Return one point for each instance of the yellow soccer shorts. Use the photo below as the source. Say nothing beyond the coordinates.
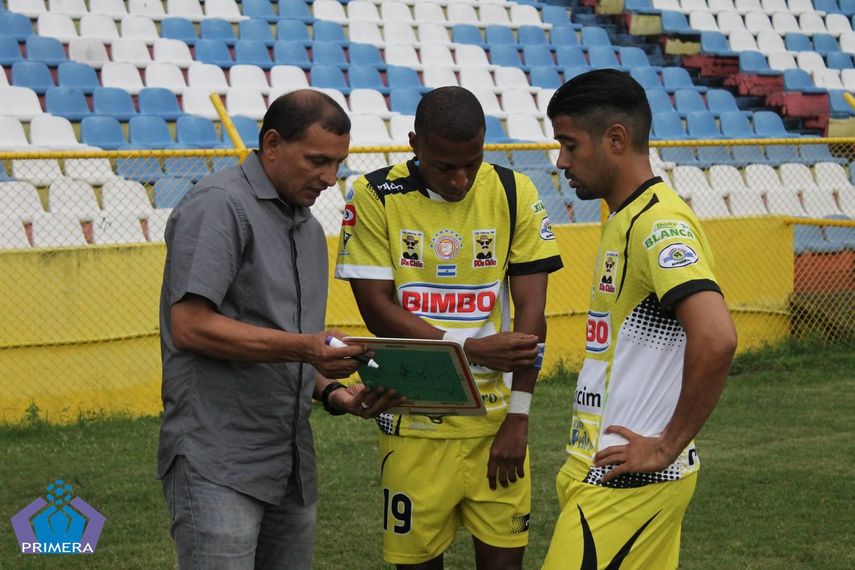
(630, 529)
(433, 486)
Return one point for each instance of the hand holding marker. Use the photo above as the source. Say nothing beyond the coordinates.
(336, 343)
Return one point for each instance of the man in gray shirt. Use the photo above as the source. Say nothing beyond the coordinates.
(242, 317)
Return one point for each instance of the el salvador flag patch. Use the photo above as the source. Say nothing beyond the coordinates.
(449, 270)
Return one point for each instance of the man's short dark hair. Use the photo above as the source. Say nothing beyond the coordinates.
(599, 98)
(452, 113)
(292, 114)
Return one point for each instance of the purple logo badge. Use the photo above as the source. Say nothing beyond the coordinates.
(58, 525)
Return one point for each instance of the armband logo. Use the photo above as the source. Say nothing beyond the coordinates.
(412, 248)
(677, 255)
(484, 248)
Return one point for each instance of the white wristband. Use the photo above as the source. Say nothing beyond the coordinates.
(520, 402)
(457, 336)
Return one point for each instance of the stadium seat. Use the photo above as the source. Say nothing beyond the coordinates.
(113, 101)
(193, 167)
(214, 52)
(57, 230)
(291, 54)
(73, 197)
(173, 51)
(57, 26)
(10, 50)
(595, 36)
(12, 234)
(472, 56)
(116, 9)
(329, 32)
(102, 131)
(248, 130)
(799, 80)
(525, 128)
(690, 180)
(331, 53)
(736, 125)
(660, 101)
(207, 76)
(469, 34)
(12, 136)
(33, 75)
(117, 228)
(366, 54)
(169, 191)
(157, 224)
(647, 77)
(227, 10)
(721, 101)
(95, 171)
(540, 56)
(67, 102)
(668, 126)
(123, 76)
(688, 101)
(39, 172)
(702, 125)
(48, 131)
(196, 101)
(795, 42)
(166, 76)
(245, 101)
(396, 12)
(768, 124)
(159, 101)
(152, 9)
(20, 102)
(253, 52)
(15, 25)
(149, 132)
(180, 29)
(426, 11)
(287, 78)
(404, 100)
(369, 102)
(330, 77)
(404, 78)
(257, 30)
(675, 78)
(39, 48)
(197, 132)
(249, 76)
(531, 35)
(432, 32)
(506, 55)
(839, 60)
(563, 36)
(146, 170)
(99, 27)
(219, 29)
(292, 31)
(294, 10)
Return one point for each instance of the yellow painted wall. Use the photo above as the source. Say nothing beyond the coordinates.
(79, 326)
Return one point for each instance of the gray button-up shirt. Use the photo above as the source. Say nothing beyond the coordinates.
(243, 425)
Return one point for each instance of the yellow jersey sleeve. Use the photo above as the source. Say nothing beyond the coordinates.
(533, 249)
(678, 260)
(364, 250)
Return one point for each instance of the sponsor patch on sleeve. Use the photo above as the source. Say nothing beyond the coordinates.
(677, 255)
(668, 229)
(546, 232)
(348, 218)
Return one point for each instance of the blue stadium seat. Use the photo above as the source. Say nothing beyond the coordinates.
(839, 106)
(102, 131)
(217, 29)
(538, 56)
(253, 52)
(676, 23)
(145, 170)
(159, 101)
(648, 77)
(178, 29)
(570, 56)
(214, 52)
(149, 132)
(632, 57)
(779, 154)
(366, 54)
(640, 7)
(743, 155)
(545, 186)
(701, 125)
(329, 32)
(78, 75)
(824, 44)
(827, 6)
(838, 60)
(531, 160)
(259, 9)
(768, 124)
(603, 57)
(15, 25)
(755, 63)
(258, 30)
(715, 43)
(506, 55)
(563, 36)
(46, 50)
(400, 77)
(721, 101)
(113, 101)
(193, 131)
(193, 167)
(679, 155)
(689, 101)
(32, 74)
(674, 78)
(498, 35)
(531, 36)
(595, 36)
(169, 191)
(660, 101)
(840, 237)
(794, 41)
(495, 132)
(293, 31)
(545, 78)
(499, 157)
(711, 155)
(329, 77)
(10, 50)
(67, 102)
(816, 153)
(295, 10)
(735, 125)
(248, 130)
(847, 7)
(291, 53)
(668, 126)
(571, 72)
(404, 101)
(468, 34)
(366, 77)
(809, 239)
(555, 15)
(328, 53)
(799, 80)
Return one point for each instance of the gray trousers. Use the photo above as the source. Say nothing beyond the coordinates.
(215, 527)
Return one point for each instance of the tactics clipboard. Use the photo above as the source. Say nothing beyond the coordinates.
(433, 374)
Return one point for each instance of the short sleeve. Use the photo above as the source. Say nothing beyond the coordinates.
(205, 239)
(678, 260)
(363, 248)
(534, 249)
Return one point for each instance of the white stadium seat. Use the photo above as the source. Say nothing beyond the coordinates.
(73, 8)
(172, 51)
(207, 76)
(88, 50)
(166, 75)
(117, 228)
(57, 230)
(20, 200)
(12, 136)
(157, 224)
(75, 197)
(99, 27)
(40, 172)
(116, 9)
(249, 77)
(123, 75)
(20, 102)
(49, 131)
(128, 196)
(12, 233)
(130, 50)
(57, 26)
(95, 171)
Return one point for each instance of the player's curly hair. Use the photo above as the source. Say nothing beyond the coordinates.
(452, 113)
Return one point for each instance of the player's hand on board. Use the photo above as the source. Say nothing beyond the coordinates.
(360, 400)
(640, 455)
(504, 351)
(507, 454)
(330, 361)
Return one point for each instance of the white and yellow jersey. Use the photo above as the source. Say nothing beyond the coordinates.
(653, 254)
(449, 262)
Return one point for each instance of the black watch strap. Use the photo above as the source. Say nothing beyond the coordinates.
(325, 398)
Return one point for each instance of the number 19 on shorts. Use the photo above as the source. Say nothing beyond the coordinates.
(397, 511)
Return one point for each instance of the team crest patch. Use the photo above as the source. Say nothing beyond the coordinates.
(546, 232)
(667, 229)
(446, 244)
(484, 248)
(411, 249)
(607, 276)
(677, 255)
(345, 238)
(348, 217)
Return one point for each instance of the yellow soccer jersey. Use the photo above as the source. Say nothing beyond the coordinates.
(449, 262)
(652, 254)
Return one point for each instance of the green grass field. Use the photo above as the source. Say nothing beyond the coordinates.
(776, 489)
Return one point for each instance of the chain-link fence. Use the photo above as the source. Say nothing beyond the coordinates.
(81, 248)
